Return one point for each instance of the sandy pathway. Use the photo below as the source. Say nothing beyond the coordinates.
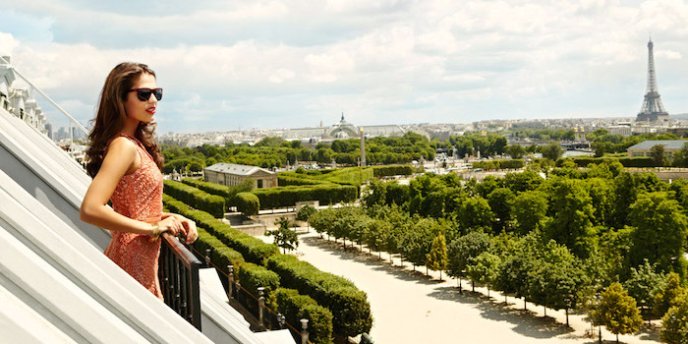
(411, 308)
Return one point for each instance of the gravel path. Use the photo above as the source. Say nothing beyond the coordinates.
(409, 307)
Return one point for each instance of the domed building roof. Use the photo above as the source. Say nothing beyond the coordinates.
(343, 130)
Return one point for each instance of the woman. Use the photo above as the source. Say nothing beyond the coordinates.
(125, 163)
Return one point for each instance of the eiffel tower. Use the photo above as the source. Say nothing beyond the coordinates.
(652, 110)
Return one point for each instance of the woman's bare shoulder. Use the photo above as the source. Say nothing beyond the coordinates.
(122, 147)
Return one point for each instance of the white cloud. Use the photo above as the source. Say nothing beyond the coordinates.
(287, 63)
(7, 44)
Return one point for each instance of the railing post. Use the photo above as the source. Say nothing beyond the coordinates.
(281, 320)
(304, 331)
(238, 290)
(207, 257)
(230, 281)
(261, 305)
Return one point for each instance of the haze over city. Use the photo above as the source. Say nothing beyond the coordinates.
(288, 64)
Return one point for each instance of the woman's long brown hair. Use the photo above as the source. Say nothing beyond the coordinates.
(111, 116)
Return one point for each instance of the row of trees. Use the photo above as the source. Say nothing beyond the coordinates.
(277, 152)
(529, 267)
(554, 240)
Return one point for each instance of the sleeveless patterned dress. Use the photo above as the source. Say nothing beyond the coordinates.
(138, 196)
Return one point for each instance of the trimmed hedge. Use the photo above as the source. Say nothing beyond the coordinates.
(499, 164)
(220, 254)
(290, 180)
(287, 196)
(254, 250)
(349, 305)
(211, 188)
(253, 276)
(393, 170)
(215, 205)
(295, 307)
(625, 161)
(247, 203)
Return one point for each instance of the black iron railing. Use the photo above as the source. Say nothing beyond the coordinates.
(178, 273)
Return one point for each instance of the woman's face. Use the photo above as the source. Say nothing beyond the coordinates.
(138, 110)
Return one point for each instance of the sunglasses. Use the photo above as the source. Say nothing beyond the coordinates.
(144, 93)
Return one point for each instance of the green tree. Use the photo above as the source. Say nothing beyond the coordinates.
(602, 195)
(617, 311)
(675, 322)
(552, 151)
(377, 235)
(501, 202)
(572, 215)
(437, 258)
(285, 237)
(661, 230)
(462, 250)
(643, 283)
(513, 277)
(322, 221)
(666, 294)
(522, 181)
(529, 210)
(516, 151)
(657, 154)
(376, 194)
(417, 242)
(305, 213)
(681, 157)
(556, 279)
(484, 270)
(475, 212)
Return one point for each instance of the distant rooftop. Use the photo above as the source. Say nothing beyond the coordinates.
(668, 144)
(237, 169)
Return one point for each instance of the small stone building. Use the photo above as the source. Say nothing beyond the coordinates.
(235, 174)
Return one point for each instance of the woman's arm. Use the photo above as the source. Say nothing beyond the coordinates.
(120, 159)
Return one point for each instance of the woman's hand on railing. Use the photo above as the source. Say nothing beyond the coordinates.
(186, 227)
(189, 230)
(168, 224)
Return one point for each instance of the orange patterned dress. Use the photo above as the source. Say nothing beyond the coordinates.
(139, 196)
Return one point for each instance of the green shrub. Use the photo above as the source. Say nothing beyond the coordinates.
(349, 305)
(211, 188)
(499, 164)
(253, 276)
(392, 170)
(221, 255)
(284, 179)
(637, 162)
(585, 161)
(199, 199)
(287, 196)
(247, 203)
(295, 307)
(252, 249)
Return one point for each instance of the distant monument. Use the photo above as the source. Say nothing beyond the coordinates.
(652, 110)
(363, 157)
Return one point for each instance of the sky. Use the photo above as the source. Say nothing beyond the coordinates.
(229, 65)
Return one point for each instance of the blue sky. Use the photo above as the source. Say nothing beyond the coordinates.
(227, 65)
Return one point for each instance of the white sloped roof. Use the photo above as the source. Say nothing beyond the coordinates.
(72, 284)
(55, 282)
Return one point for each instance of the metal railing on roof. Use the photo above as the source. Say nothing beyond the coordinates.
(71, 119)
(179, 281)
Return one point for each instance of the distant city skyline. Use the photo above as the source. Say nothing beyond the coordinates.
(289, 64)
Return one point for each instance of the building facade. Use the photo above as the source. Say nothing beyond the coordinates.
(235, 174)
